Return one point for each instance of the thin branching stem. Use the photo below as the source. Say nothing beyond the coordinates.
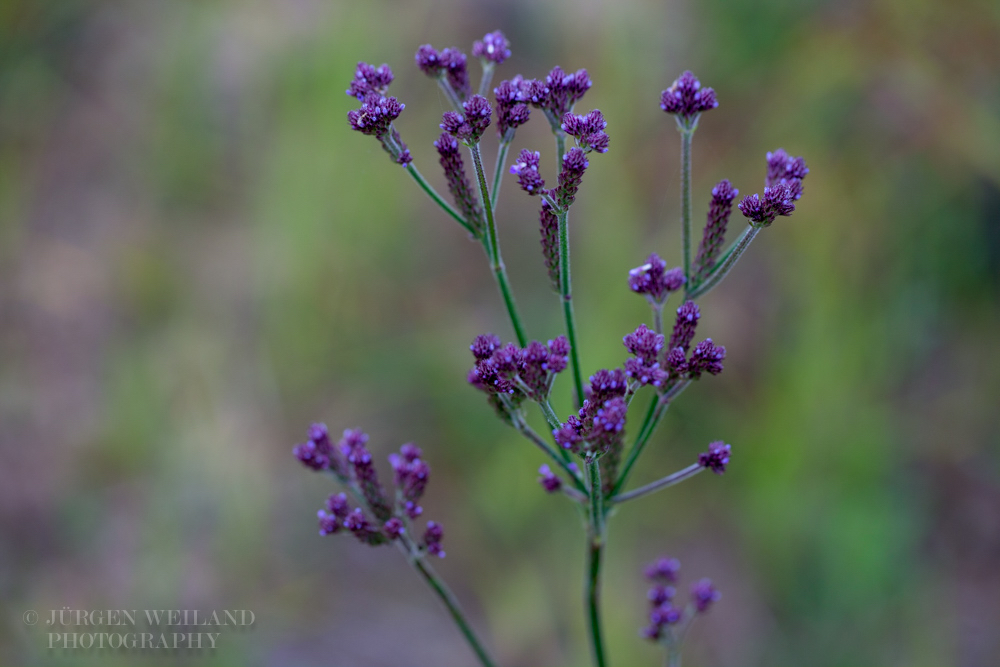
(658, 409)
(662, 483)
(725, 265)
(438, 199)
(492, 245)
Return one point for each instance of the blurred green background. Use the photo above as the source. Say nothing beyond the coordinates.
(198, 258)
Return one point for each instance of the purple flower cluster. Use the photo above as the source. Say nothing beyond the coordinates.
(706, 358)
(458, 184)
(663, 614)
(370, 79)
(686, 99)
(783, 168)
(518, 373)
(588, 130)
(433, 535)
(548, 227)
(558, 93)
(469, 126)
(716, 458)
(644, 366)
(719, 210)
(354, 446)
(599, 426)
(450, 64)
(783, 187)
(654, 280)
(512, 112)
(493, 48)
(549, 481)
(317, 452)
(380, 520)
(526, 170)
(377, 111)
(570, 176)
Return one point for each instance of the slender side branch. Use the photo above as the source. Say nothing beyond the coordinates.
(663, 483)
(725, 265)
(498, 172)
(450, 93)
(443, 592)
(492, 245)
(484, 83)
(567, 304)
(686, 135)
(445, 206)
(658, 409)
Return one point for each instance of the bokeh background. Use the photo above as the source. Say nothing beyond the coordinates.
(198, 258)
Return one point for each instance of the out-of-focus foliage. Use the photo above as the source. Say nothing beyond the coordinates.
(198, 258)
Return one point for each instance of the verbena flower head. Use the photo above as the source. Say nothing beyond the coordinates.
(375, 115)
(703, 594)
(653, 280)
(317, 452)
(716, 458)
(526, 169)
(783, 187)
(449, 64)
(668, 622)
(512, 112)
(644, 367)
(377, 111)
(719, 210)
(549, 481)
(370, 79)
(686, 99)
(706, 358)
(664, 570)
(515, 373)
(598, 426)
(469, 126)
(466, 200)
(493, 48)
(783, 167)
(574, 164)
(559, 92)
(685, 325)
(456, 71)
(432, 539)
(588, 130)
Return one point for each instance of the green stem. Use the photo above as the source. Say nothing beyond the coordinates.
(658, 408)
(484, 83)
(658, 319)
(595, 547)
(451, 603)
(725, 265)
(432, 193)
(663, 483)
(686, 135)
(493, 249)
(498, 172)
(450, 93)
(550, 414)
(567, 303)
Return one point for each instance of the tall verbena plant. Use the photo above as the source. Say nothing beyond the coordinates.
(589, 462)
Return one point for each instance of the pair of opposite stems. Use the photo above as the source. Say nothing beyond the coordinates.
(592, 489)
